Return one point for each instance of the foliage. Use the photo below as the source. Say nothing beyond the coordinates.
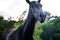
(43, 31)
(47, 15)
(5, 25)
(16, 25)
(11, 23)
(48, 30)
(51, 30)
(1, 18)
(37, 31)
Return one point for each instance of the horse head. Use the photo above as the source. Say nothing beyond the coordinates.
(35, 8)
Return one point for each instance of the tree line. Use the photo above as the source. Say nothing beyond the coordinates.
(49, 30)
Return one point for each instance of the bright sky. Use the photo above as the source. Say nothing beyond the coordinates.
(15, 8)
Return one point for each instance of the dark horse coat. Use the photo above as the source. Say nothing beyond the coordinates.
(25, 31)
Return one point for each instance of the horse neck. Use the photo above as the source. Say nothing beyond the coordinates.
(29, 25)
(27, 28)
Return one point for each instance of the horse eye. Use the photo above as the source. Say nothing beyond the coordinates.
(40, 15)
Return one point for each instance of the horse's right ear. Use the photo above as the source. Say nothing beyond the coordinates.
(28, 1)
(39, 1)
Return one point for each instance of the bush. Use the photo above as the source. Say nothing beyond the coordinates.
(1, 18)
(51, 30)
(48, 30)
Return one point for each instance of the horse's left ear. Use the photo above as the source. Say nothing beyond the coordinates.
(39, 1)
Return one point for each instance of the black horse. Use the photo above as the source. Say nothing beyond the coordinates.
(25, 31)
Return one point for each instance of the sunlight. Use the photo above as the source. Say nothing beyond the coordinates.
(15, 8)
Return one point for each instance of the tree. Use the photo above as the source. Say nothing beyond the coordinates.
(22, 16)
(1, 18)
(10, 24)
(47, 15)
(51, 30)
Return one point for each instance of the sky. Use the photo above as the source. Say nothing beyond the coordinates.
(15, 8)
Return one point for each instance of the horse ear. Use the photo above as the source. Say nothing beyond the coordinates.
(39, 1)
(27, 1)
